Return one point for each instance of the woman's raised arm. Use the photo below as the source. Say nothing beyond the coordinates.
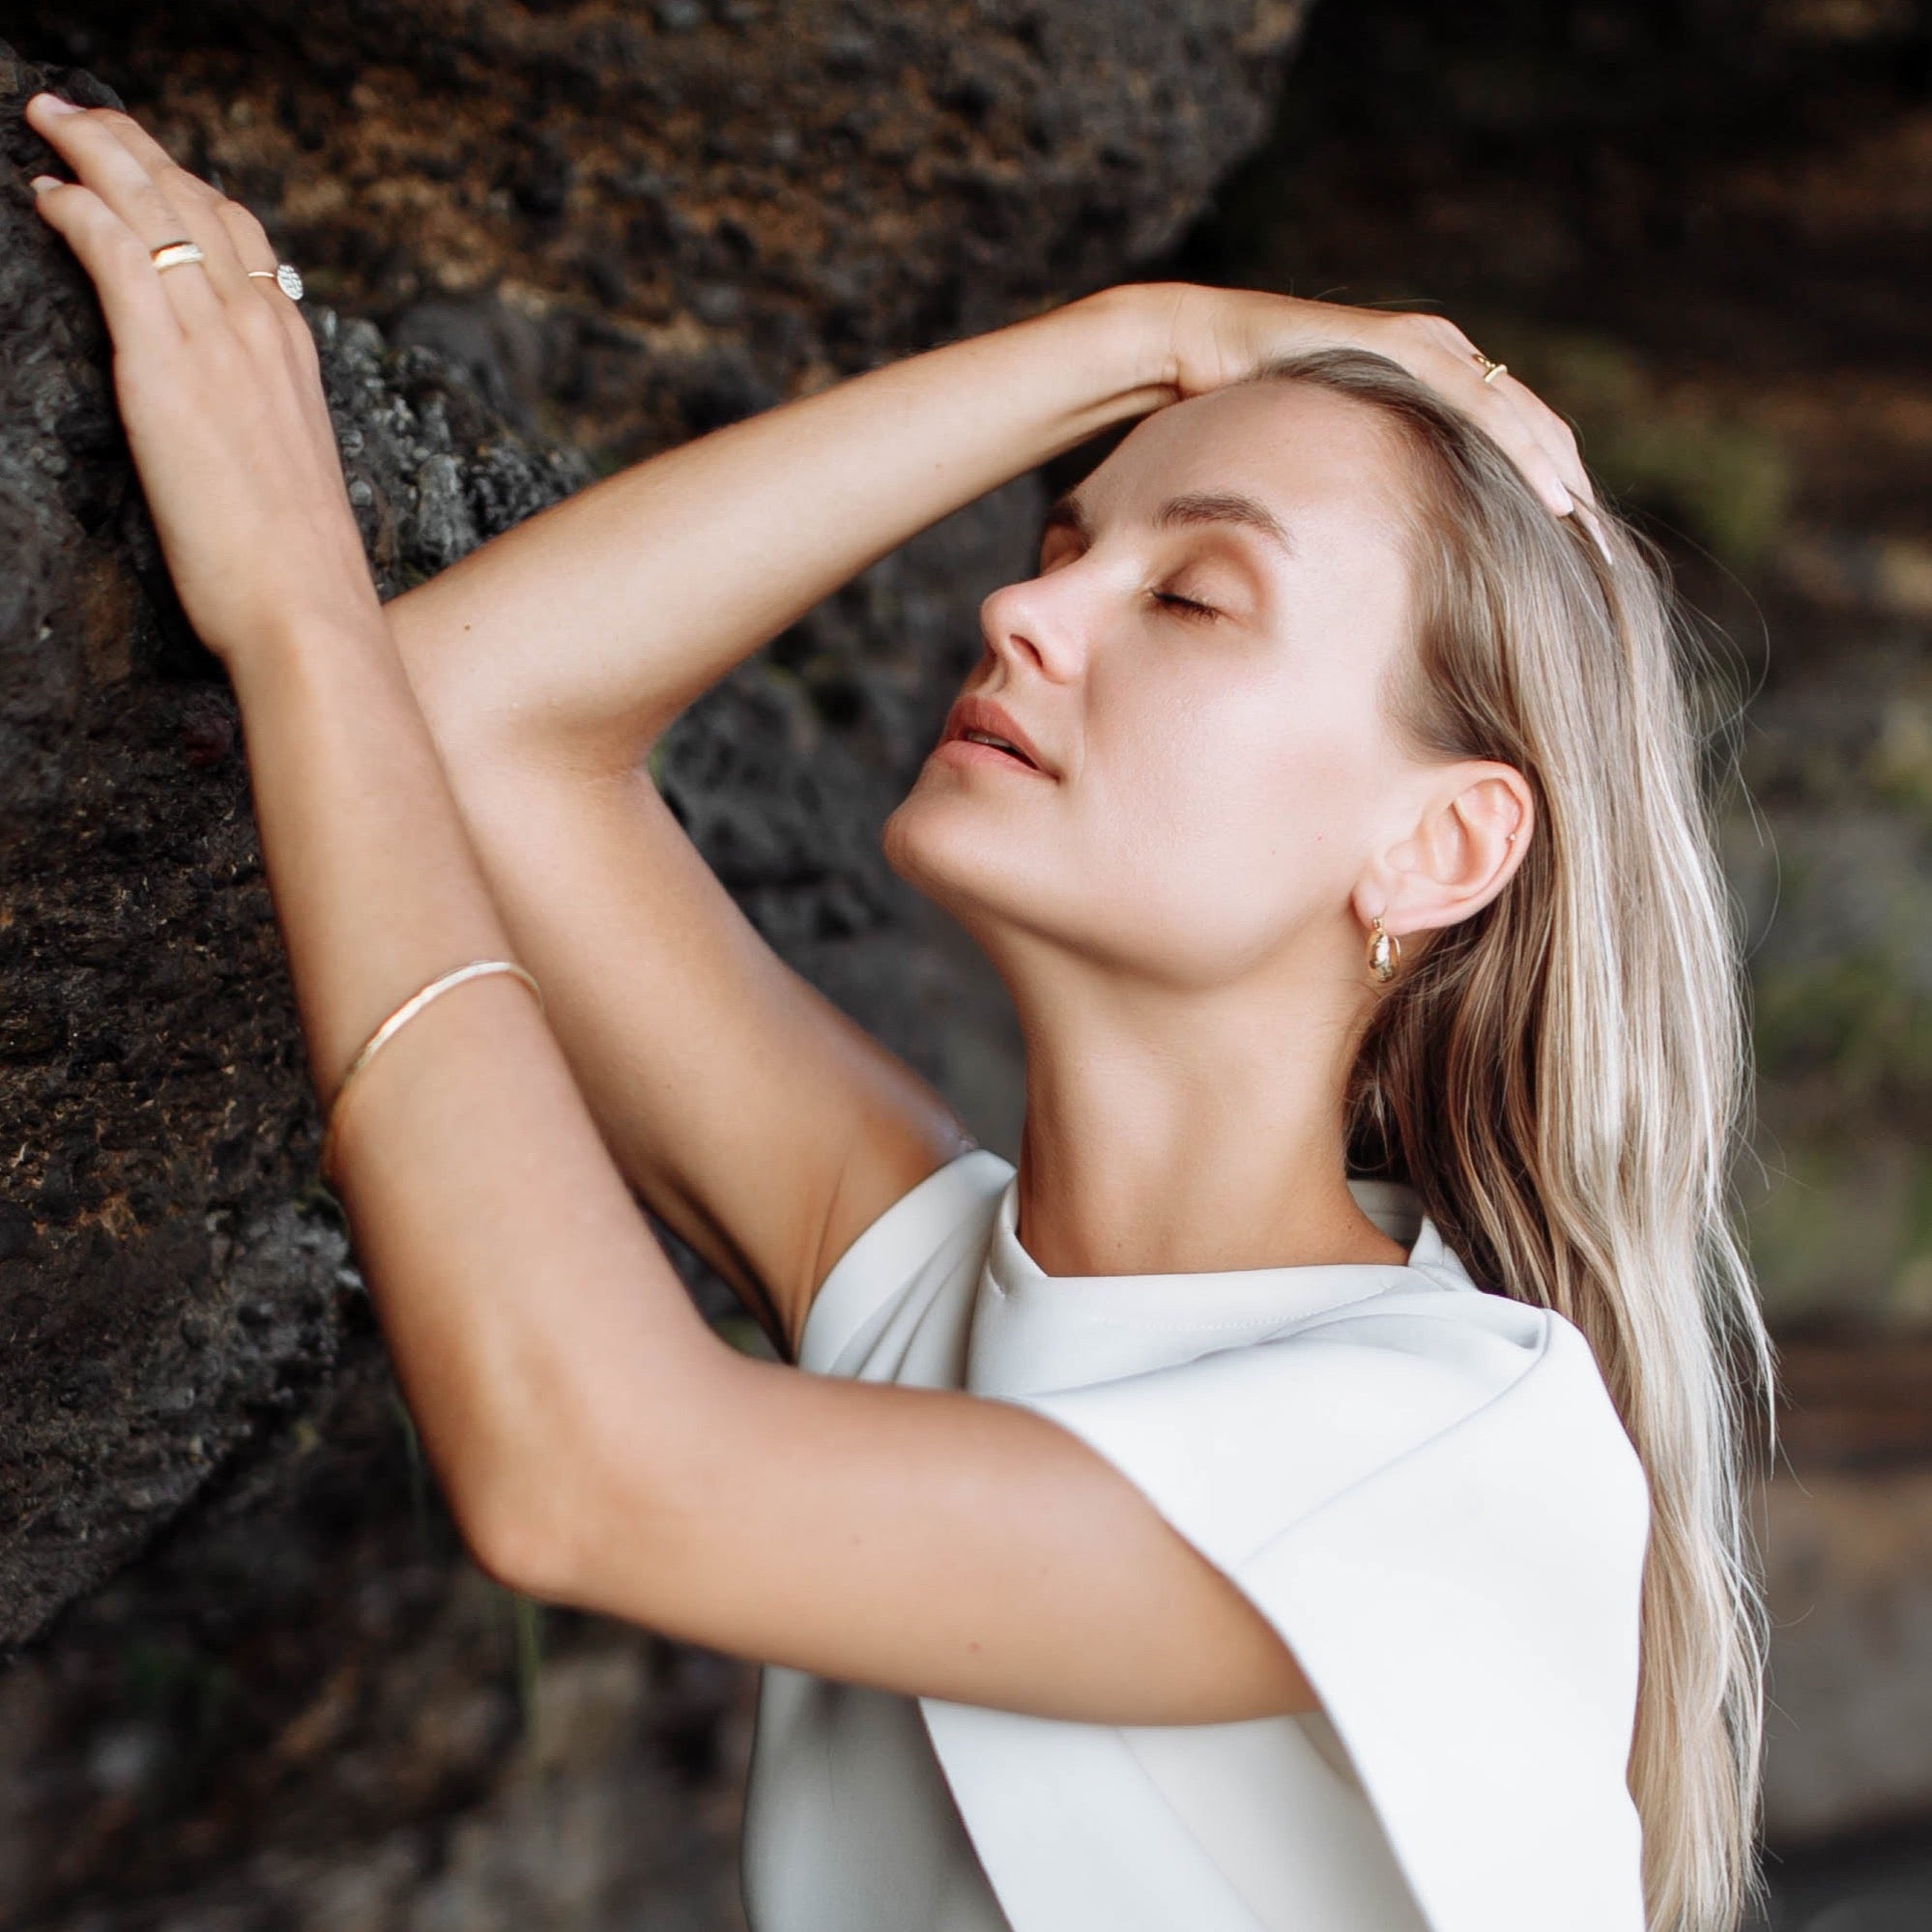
(601, 618)
(593, 624)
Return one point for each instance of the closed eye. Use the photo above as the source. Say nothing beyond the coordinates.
(1186, 606)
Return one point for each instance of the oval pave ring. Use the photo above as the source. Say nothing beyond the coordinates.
(286, 278)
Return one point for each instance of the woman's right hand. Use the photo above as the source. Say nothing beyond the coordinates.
(1219, 336)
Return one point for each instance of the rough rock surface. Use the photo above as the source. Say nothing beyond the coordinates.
(172, 1275)
(304, 1711)
(171, 1279)
(657, 217)
(565, 236)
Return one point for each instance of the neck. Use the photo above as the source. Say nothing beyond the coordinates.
(1187, 1133)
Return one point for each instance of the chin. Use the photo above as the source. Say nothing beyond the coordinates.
(919, 845)
(955, 857)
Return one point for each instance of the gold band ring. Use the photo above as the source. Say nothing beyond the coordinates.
(174, 255)
(1491, 370)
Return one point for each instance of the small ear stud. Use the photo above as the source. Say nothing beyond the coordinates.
(1385, 953)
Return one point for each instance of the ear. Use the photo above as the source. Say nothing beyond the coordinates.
(1458, 853)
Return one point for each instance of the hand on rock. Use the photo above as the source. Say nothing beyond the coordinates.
(219, 384)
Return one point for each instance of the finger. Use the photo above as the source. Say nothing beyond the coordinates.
(259, 260)
(1592, 523)
(1548, 430)
(1508, 423)
(1551, 435)
(105, 167)
(1532, 434)
(1555, 435)
(209, 212)
(1433, 348)
(1453, 339)
(132, 297)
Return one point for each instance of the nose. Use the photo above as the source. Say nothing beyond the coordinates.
(1036, 621)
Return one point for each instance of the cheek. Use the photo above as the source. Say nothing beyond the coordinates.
(1231, 823)
(1261, 776)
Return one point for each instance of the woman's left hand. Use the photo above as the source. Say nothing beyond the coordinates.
(219, 384)
(1219, 336)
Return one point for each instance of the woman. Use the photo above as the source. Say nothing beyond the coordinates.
(1306, 1490)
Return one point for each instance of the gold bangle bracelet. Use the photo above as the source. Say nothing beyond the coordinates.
(392, 1025)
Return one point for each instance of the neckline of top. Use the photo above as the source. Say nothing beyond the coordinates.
(1394, 1207)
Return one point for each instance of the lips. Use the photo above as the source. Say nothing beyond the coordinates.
(982, 714)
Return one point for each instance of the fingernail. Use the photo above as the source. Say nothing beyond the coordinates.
(56, 106)
(41, 183)
(1596, 535)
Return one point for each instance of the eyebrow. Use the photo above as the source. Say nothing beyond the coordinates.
(1198, 507)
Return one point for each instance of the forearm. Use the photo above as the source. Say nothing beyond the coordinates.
(509, 1264)
(601, 618)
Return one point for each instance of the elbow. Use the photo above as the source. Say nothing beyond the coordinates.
(549, 1528)
(512, 1556)
(513, 1533)
(605, 1516)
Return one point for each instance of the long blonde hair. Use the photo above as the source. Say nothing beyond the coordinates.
(1564, 1077)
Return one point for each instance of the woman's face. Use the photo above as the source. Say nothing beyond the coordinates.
(1196, 662)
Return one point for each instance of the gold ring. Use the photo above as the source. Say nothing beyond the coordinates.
(1491, 370)
(174, 255)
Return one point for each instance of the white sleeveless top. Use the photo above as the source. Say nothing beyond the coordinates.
(1422, 1484)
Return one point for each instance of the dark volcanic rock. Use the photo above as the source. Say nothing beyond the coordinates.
(682, 212)
(778, 200)
(309, 1714)
(175, 1280)
(568, 234)
(171, 1281)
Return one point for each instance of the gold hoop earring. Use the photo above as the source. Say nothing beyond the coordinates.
(1385, 953)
